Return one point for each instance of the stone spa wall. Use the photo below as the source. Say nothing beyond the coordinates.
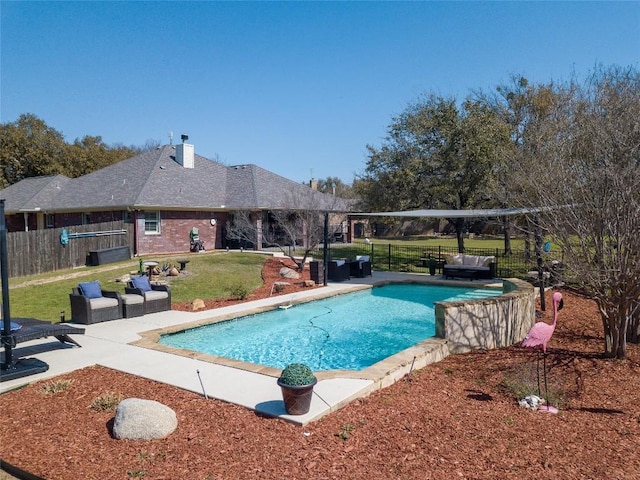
(489, 322)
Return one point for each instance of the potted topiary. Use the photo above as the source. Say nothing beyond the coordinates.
(432, 265)
(296, 382)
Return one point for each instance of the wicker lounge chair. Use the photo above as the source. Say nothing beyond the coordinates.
(90, 304)
(157, 298)
(31, 329)
(339, 271)
(360, 267)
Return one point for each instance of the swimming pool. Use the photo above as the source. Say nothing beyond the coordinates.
(346, 332)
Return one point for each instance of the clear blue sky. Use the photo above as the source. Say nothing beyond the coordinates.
(299, 88)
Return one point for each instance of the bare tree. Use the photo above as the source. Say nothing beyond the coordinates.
(289, 229)
(516, 103)
(582, 165)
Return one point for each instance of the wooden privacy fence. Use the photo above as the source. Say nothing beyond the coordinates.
(40, 251)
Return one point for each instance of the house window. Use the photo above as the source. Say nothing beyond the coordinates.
(151, 222)
(86, 219)
(49, 220)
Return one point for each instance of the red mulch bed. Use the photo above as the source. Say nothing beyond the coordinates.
(270, 275)
(454, 419)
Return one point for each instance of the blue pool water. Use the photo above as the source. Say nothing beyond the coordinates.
(351, 331)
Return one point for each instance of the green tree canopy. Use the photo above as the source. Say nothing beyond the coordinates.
(31, 148)
(436, 155)
(89, 154)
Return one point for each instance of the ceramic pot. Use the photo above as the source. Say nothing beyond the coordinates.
(297, 399)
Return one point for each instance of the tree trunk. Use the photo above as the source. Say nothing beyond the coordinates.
(615, 334)
(459, 224)
(507, 235)
(633, 326)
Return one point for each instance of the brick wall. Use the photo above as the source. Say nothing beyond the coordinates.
(15, 223)
(175, 228)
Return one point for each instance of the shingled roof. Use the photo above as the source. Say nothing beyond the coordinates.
(155, 180)
(33, 193)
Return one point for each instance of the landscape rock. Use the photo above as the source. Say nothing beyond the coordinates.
(287, 272)
(140, 419)
(197, 304)
(532, 402)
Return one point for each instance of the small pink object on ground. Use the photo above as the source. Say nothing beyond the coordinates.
(548, 409)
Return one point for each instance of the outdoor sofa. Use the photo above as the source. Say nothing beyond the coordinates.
(469, 266)
(90, 304)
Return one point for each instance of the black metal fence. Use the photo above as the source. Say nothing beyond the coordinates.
(416, 259)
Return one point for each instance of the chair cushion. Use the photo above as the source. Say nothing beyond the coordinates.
(339, 263)
(130, 299)
(142, 283)
(456, 259)
(470, 260)
(90, 289)
(103, 302)
(155, 295)
(486, 261)
(362, 258)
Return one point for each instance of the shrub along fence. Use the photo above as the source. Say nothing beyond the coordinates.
(40, 251)
(416, 259)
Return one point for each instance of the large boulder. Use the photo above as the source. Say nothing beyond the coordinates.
(139, 419)
(287, 272)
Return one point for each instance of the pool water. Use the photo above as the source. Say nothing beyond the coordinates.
(351, 331)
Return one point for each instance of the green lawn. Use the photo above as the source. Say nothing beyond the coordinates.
(208, 276)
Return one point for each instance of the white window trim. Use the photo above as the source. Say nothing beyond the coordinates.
(158, 230)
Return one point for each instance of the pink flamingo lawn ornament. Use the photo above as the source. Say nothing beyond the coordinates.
(538, 337)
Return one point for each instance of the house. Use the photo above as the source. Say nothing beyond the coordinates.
(163, 193)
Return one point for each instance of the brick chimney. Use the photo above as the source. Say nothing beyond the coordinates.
(313, 184)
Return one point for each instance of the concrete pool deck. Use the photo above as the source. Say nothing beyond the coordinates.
(120, 345)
